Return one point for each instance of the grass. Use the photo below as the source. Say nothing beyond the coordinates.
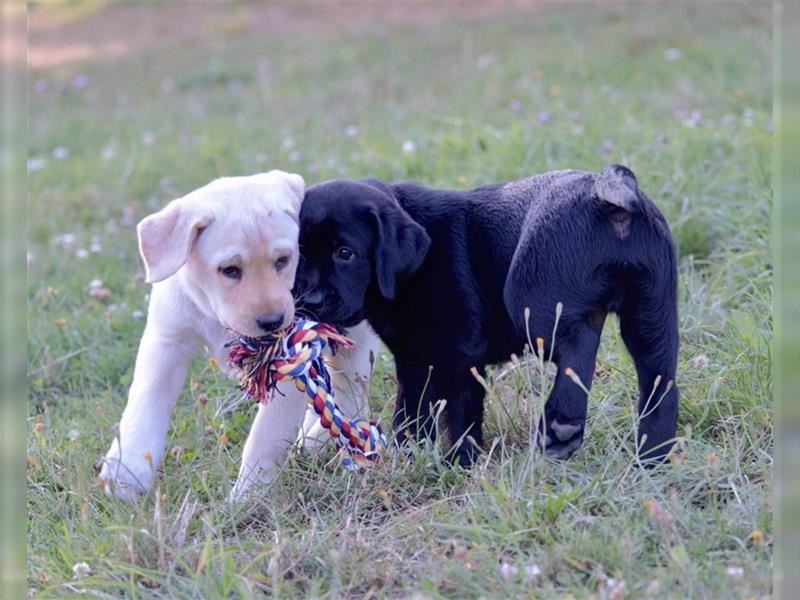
(679, 93)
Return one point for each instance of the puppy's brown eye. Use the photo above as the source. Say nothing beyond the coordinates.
(344, 253)
(281, 263)
(231, 272)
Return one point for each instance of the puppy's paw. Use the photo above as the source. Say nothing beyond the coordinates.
(562, 439)
(250, 482)
(240, 492)
(127, 478)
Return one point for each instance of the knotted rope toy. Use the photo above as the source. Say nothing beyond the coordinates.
(296, 354)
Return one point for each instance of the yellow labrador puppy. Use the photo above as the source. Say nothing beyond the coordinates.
(222, 263)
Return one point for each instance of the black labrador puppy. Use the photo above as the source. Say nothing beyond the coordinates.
(446, 279)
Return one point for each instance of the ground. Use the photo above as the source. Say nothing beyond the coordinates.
(133, 105)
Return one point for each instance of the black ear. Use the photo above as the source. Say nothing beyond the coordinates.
(400, 246)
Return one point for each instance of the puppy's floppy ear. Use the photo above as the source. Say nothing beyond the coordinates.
(297, 187)
(401, 245)
(166, 237)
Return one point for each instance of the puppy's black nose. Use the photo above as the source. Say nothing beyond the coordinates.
(270, 321)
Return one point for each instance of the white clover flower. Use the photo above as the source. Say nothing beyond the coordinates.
(507, 570)
(734, 572)
(532, 573)
(81, 570)
(36, 163)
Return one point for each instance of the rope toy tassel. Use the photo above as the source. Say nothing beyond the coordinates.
(296, 354)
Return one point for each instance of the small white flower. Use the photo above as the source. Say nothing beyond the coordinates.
(701, 360)
(81, 253)
(65, 239)
(734, 572)
(96, 247)
(60, 152)
(108, 152)
(672, 54)
(81, 570)
(36, 163)
(351, 131)
(507, 570)
(148, 137)
(31, 258)
(287, 143)
(137, 314)
(95, 283)
(73, 435)
(616, 589)
(409, 147)
(693, 120)
(532, 573)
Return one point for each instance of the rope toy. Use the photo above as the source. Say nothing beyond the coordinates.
(296, 354)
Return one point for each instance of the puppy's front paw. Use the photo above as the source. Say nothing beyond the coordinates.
(562, 439)
(251, 481)
(126, 478)
(238, 493)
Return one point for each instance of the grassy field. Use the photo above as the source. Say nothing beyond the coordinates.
(132, 106)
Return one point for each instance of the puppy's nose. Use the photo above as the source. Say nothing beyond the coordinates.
(270, 321)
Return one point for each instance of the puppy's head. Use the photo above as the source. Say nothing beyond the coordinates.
(233, 243)
(357, 243)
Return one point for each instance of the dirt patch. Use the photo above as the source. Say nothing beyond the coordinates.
(110, 32)
(115, 30)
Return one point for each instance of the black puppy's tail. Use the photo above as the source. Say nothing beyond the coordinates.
(648, 312)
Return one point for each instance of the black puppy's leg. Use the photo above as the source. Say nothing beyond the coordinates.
(415, 397)
(649, 328)
(565, 411)
(464, 418)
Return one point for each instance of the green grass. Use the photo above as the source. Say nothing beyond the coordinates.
(481, 100)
